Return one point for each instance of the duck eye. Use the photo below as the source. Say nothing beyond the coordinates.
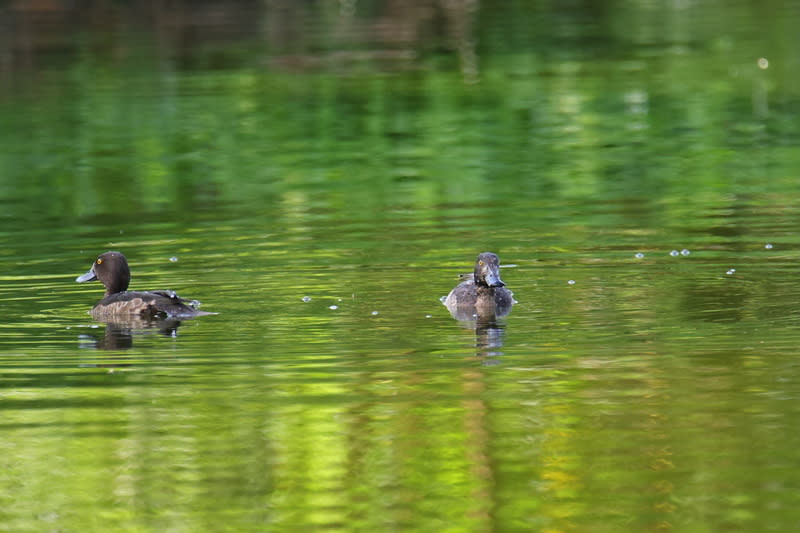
(480, 263)
(99, 261)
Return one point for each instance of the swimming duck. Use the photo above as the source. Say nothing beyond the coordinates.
(482, 294)
(111, 268)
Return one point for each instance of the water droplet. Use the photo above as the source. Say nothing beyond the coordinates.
(333, 307)
(306, 298)
(768, 246)
(674, 253)
(571, 282)
(763, 63)
(731, 271)
(685, 252)
(639, 255)
(374, 313)
(428, 316)
(173, 259)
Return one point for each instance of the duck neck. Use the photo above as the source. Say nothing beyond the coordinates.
(485, 290)
(118, 286)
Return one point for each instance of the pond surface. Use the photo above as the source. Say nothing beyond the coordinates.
(639, 186)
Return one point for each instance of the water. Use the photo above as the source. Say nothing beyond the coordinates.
(323, 211)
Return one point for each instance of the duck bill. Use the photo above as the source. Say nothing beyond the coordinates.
(89, 276)
(493, 278)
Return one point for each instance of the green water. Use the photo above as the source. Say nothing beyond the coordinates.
(322, 199)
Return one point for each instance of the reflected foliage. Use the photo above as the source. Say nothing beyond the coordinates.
(137, 132)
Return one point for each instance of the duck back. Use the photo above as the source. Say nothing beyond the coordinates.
(469, 299)
(147, 304)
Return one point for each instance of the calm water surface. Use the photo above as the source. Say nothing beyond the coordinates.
(641, 193)
(649, 391)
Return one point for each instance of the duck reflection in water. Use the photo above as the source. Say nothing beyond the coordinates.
(119, 335)
(480, 300)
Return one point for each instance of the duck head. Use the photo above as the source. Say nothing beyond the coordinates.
(111, 268)
(487, 270)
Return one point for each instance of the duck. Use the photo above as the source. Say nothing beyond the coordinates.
(481, 294)
(112, 270)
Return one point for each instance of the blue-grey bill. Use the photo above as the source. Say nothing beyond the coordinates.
(89, 276)
(493, 279)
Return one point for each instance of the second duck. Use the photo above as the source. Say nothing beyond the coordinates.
(482, 294)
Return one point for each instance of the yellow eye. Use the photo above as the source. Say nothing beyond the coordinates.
(99, 261)
(480, 263)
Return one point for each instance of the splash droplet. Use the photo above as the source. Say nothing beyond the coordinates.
(674, 253)
(639, 255)
(731, 271)
(571, 282)
(333, 307)
(173, 259)
(306, 298)
(685, 252)
(374, 313)
(768, 246)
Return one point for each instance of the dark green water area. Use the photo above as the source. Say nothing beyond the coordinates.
(319, 173)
